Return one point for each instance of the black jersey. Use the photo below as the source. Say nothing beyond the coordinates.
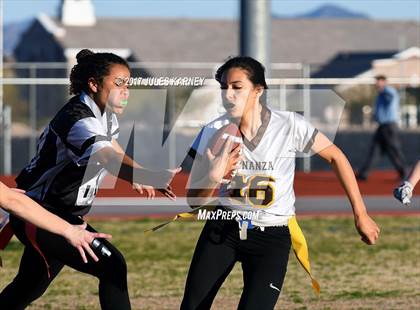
(60, 176)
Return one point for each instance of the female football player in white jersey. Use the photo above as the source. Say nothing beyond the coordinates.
(15, 202)
(264, 167)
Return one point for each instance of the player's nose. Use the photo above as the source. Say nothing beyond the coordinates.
(124, 93)
(229, 94)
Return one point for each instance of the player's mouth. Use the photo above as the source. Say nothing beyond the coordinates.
(228, 106)
(122, 104)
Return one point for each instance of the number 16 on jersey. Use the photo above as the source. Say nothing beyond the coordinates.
(256, 190)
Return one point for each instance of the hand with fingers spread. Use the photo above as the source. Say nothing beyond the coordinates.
(151, 192)
(163, 178)
(166, 177)
(168, 192)
(80, 238)
(225, 162)
(161, 181)
(367, 228)
(145, 189)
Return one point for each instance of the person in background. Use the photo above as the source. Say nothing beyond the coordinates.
(386, 136)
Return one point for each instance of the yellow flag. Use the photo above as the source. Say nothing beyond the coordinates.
(300, 247)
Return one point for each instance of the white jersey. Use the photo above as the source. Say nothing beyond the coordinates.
(265, 180)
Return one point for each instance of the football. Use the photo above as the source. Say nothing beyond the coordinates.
(218, 141)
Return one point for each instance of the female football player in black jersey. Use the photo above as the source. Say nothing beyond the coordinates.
(74, 152)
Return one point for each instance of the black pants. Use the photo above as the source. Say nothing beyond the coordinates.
(387, 141)
(32, 279)
(264, 256)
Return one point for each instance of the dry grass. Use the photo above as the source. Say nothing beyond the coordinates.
(352, 275)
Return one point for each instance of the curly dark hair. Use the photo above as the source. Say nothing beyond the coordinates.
(91, 65)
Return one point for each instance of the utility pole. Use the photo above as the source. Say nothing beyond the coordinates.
(255, 31)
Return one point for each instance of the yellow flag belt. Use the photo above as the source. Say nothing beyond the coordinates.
(299, 245)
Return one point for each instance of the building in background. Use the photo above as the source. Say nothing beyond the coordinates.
(317, 42)
(332, 48)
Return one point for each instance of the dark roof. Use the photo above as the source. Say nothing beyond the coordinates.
(197, 40)
(350, 64)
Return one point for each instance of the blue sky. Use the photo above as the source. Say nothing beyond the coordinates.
(15, 10)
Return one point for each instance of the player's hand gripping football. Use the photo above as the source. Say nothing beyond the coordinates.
(225, 162)
(367, 229)
(403, 193)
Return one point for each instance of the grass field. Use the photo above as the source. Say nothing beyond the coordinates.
(352, 275)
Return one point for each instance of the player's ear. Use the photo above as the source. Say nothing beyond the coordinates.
(93, 85)
(259, 90)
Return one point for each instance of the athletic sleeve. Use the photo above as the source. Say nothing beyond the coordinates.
(202, 140)
(195, 146)
(85, 138)
(115, 129)
(304, 134)
(200, 143)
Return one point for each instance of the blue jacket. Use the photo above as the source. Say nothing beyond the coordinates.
(387, 106)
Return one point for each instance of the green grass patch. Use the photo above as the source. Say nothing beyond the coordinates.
(352, 275)
(367, 294)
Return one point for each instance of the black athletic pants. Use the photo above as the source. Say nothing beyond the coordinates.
(264, 256)
(386, 139)
(32, 279)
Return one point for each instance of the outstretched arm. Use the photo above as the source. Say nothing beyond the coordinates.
(366, 227)
(141, 188)
(124, 167)
(25, 208)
